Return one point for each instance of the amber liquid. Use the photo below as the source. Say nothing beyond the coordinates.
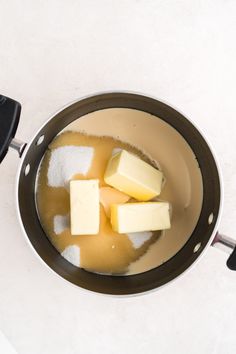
(108, 252)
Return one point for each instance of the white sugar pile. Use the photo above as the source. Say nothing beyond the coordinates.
(66, 161)
(139, 238)
(60, 223)
(72, 255)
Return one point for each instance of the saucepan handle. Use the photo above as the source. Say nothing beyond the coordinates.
(230, 247)
(9, 120)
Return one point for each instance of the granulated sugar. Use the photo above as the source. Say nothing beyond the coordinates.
(139, 238)
(60, 223)
(72, 255)
(66, 161)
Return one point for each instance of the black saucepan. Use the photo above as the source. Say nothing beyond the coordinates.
(203, 235)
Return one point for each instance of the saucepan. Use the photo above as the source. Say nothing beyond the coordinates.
(166, 135)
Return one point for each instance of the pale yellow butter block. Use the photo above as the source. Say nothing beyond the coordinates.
(133, 176)
(109, 195)
(137, 217)
(84, 207)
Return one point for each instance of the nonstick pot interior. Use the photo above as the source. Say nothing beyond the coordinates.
(119, 285)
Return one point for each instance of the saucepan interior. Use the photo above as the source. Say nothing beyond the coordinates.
(190, 170)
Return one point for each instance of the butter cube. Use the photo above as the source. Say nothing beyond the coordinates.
(109, 195)
(84, 207)
(131, 175)
(137, 217)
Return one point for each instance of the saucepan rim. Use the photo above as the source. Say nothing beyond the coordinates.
(221, 191)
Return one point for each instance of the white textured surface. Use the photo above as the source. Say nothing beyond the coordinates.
(52, 52)
(5, 346)
(60, 223)
(72, 254)
(66, 161)
(139, 238)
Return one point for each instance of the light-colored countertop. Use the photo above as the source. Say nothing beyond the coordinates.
(52, 52)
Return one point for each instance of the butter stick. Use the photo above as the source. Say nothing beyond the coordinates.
(133, 176)
(109, 196)
(84, 207)
(137, 217)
